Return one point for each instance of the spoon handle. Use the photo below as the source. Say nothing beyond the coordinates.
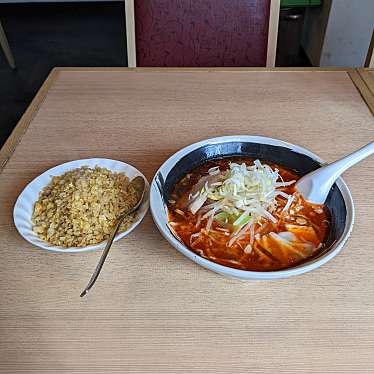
(103, 257)
(337, 168)
(316, 185)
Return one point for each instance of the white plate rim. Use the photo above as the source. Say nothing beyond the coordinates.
(32, 238)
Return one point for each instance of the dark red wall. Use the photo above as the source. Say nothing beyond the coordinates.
(201, 32)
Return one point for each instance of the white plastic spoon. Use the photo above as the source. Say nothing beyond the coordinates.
(315, 186)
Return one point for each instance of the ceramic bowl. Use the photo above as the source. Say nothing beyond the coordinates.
(25, 203)
(339, 201)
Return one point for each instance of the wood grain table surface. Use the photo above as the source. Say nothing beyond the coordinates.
(153, 310)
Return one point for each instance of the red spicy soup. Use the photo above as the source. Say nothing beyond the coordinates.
(246, 214)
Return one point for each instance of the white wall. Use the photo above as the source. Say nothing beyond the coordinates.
(339, 36)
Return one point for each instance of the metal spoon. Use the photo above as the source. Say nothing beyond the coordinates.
(315, 186)
(139, 186)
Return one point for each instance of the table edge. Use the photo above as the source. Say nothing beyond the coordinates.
(358, 77)
(367, 78)
(203, 69)
(366, 92)
(20, 129)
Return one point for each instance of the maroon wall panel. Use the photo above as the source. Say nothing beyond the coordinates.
(201, 32)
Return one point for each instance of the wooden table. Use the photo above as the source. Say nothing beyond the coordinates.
(153, 310)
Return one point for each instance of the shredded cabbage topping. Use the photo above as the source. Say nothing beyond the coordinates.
(240, 196)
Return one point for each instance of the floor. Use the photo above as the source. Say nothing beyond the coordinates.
(42, 36)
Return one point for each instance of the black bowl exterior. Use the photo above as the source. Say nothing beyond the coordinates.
(300, 163)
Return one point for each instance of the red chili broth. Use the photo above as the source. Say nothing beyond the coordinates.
(213, 244)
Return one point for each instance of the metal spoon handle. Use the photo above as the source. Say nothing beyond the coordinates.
(103, 257)
(139, 186)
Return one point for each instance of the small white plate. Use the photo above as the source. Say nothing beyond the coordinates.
(24, 206)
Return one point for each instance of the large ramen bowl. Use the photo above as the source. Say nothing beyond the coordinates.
(339, 201)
